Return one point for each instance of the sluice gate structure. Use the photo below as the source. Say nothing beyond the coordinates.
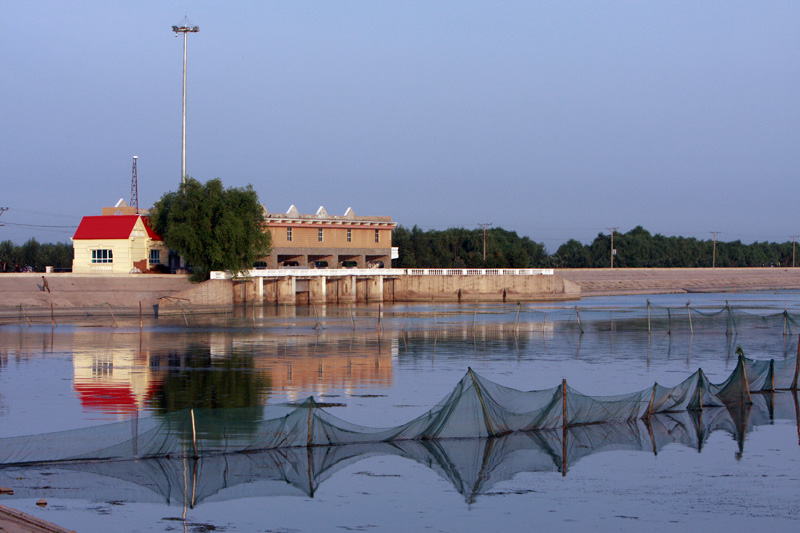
(335, 286)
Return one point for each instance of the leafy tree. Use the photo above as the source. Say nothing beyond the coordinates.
(213, 228)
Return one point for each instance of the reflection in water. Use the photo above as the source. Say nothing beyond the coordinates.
(473, 466)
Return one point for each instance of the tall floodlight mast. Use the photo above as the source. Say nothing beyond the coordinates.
(184, 29)
(135, 187)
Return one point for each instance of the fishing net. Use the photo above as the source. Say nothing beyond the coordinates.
(472, 466)
(475, 408)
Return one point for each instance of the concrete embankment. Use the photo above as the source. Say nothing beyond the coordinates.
(617, 281)
(69, 290)
(73, 291)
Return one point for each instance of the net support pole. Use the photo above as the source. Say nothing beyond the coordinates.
(578, 313)
(746, 399)
(516, 320)
(489, 426)
(648, 317)
(141, 323)
(52, 316)
(772, 376)
(650, 405)
(669, 321)
(111, 310)
(564, 429)
(689, 312)
(796, 366)
(310, 408)
(194, 433)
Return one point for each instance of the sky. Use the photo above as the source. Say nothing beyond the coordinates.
(556, 120)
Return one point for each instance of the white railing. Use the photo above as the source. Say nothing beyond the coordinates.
(338, 272)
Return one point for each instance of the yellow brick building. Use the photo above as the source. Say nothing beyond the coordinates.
(328, 241)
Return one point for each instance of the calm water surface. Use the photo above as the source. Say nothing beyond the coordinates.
(382, 366)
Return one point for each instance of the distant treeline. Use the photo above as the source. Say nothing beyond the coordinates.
(15, 258)
(463, 248)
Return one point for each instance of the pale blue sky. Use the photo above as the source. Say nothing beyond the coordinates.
(554, 119)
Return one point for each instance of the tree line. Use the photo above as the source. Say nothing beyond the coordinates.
(36, 256)
(638, 248)
(464, 248)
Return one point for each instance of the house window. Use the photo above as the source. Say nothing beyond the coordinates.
(319, 234)
(102, 256)
(289, 234)
(155, 257)
(377, 236)
(349, 235)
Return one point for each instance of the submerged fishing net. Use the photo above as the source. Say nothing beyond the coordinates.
(475, 408)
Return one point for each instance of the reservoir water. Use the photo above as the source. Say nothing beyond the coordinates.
(384, 365)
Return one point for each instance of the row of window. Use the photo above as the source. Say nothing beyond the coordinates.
(107, 256)
(320, 235)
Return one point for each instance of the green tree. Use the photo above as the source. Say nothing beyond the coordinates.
(213, 228)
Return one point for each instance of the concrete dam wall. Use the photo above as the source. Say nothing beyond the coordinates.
(308, 286)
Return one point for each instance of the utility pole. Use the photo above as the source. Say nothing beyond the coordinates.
(613, 251)
(2, 210)
(484, 224)
(184, 29)
(794, 237)
(714, 255)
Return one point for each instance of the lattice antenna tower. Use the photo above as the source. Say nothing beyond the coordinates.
(134, 187)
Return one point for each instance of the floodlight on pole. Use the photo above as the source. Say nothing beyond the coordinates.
(184, 29)
(613, 250)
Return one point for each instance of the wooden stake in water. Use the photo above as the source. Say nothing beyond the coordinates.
(22, 311)
(689, 312)
(669, 321)
(194, 433)
(652, 398)
(564, 429)
(579, 318)
(112, 314)
(52, 316)
(516, 320)
(141, 324)
(648, 316)
(796, 368)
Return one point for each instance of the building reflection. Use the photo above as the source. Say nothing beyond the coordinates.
(121, 373)
(130, 373)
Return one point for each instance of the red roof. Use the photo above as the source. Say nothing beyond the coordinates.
(111, 227)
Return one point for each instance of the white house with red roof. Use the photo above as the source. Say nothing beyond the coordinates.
(117, 244)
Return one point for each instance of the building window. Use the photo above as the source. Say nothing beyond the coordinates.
(319, 234)
(102, 256)
(349, 235)
(289, 234)
(377, 235)
(155, 257)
